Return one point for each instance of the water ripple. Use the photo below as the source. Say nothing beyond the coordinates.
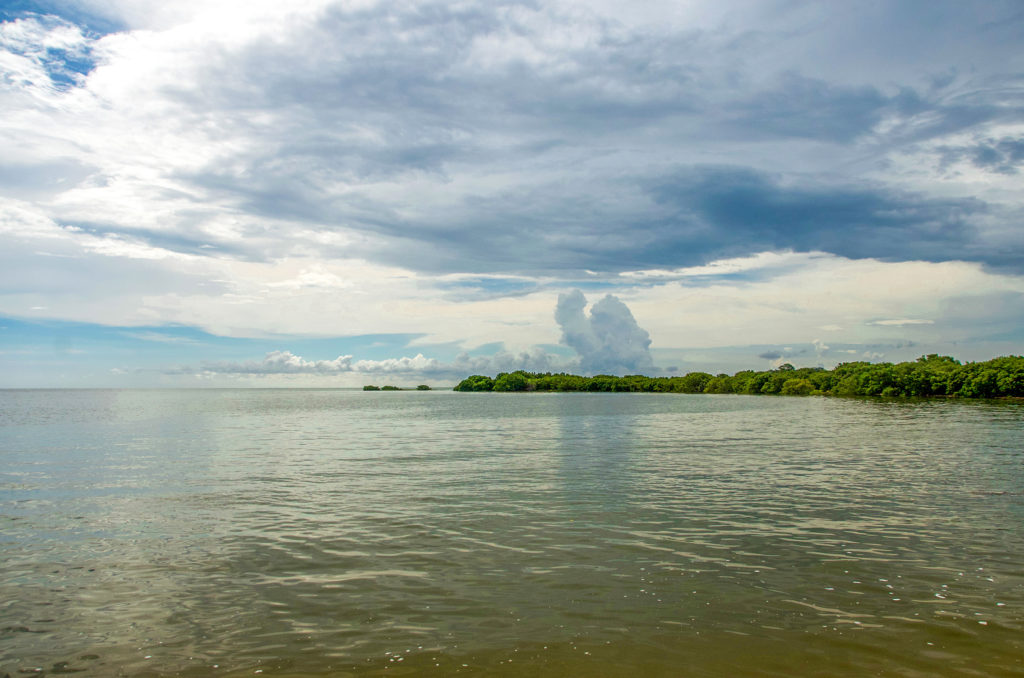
(341, 533)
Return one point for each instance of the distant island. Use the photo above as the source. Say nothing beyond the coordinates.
(371, 387)
(930, 375)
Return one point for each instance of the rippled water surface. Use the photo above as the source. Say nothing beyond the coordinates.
(309, 533)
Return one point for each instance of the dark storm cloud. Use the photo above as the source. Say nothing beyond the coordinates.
(728, 211)
(523, 137)
(434, 93)
(702, 213)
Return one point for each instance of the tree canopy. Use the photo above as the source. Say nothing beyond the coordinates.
(929, 375)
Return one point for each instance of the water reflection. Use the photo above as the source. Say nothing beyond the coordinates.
(316, 532)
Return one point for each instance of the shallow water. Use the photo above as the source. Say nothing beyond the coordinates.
(308, 533)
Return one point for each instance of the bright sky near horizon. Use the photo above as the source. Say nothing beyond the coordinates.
(346, 192)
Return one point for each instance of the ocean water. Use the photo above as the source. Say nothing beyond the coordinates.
(343, 533)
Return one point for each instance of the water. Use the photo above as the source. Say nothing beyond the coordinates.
(341, 533)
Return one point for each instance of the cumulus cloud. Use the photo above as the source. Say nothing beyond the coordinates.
(281, 362)
(609, 340)
(900, 322)
(531, 360)
(403, 365)
(287, 363)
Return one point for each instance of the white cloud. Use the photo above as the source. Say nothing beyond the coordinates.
(608, 340)
(901, 322)
(27, 59)
(160, 337)
(402, 365)
(283, 362)
(758, 262)
(822, 292)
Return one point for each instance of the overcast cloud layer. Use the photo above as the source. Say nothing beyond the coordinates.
(748, 179)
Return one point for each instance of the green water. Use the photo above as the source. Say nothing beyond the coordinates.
(334, 533)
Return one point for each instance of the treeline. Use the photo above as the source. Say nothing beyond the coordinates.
(371, 387)
(931, 375)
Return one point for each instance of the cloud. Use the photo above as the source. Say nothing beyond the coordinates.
(841, 294)
(93, 16)
(286, 362)
(283, 362)
(784, 354)
(985, 316)
(609, 340)
(331, 169)
(801, 107)
(759, 263)
(727, 211)
(280, 362)
(531, 360)
(490, 138)
(45, 54)
(416, 364)
(900, 322)
(1002, 156)
(160, 337)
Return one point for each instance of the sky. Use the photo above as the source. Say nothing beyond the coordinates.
(336, 193)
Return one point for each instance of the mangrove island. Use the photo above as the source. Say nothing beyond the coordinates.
(930, 375)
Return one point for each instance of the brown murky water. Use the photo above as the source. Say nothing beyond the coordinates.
(335, 533)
